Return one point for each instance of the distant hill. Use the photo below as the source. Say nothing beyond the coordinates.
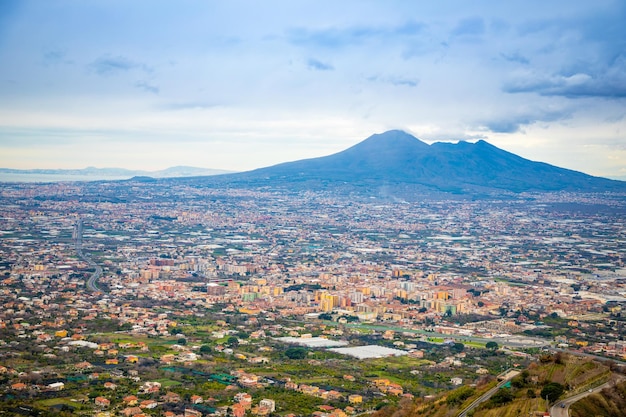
(95, 174)
(398, 163)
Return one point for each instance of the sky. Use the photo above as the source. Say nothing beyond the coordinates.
(237, 85)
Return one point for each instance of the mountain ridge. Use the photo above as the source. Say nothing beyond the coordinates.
(106, 173)
(399, 160)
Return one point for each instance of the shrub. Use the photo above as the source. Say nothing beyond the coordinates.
(552, 391)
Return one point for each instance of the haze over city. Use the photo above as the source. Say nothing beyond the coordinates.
(240, 85)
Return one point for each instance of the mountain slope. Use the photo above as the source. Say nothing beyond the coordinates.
(398, 159)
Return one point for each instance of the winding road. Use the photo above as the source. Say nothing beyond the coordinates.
(78, 241)
(561, 408)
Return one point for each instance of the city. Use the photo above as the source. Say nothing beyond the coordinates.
(138, 298)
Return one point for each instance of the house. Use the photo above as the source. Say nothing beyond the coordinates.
(290, 385)
(130, 400)
(83, 366)
(309, 389)
(131, 411)
(244, 399)
(456, 381)
(196, 399)
(150, 387)
(171, 397)
(355, 399)
(56, 386)
(238, 410)
(268, 404)
(192, 413)
(19, 386)
(187, 357)
(60, 333)
(416, 353)
(110, 385)
(260, 411)
(168, 358)
(102, 402)
(149, 404)
(334, 395)
(338, 413)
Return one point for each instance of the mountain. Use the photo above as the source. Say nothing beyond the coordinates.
(398, 160)
(95, 174)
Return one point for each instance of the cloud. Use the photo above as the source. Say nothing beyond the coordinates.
(404, 82)
(340, 37)
(145, 86)
(608, 82)
(394, 80)
(471, 27)
(55, 57)
(507, 126)
(189, 105)
(577, 56)
(515, 57)
(514, 123)
(108, 65)
(314, 64)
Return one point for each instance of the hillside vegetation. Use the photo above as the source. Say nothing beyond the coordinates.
(553, 376)
(610, 402)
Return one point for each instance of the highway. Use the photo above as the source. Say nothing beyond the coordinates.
(78, 241)
(487, 395)
(561, 408)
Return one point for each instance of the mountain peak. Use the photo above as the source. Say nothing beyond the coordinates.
(399, 160)
(394, 138)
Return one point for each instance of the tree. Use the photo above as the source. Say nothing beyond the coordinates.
(182, 341)
(491, 345)
(552, 391)
(558, 358)
(459, 395)
(457, 347)
(503, 396)
(232, 341)
(205, 349)
(296, 353)
(325, 316)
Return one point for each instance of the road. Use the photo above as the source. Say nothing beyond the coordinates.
(91, 283)
(557, 411)
(78, 240)
(486, 395)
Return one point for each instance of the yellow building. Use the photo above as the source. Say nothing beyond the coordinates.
(355, 399)
(327, 302)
